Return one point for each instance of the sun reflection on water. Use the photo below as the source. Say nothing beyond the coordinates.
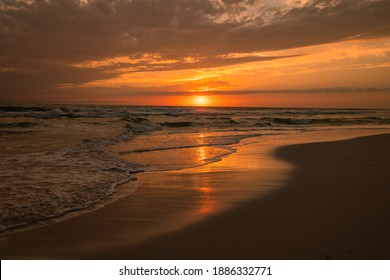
(203, 185)
(202, 149)
(201, 154)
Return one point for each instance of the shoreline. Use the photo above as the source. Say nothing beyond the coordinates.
(313, 217)
(102, 234)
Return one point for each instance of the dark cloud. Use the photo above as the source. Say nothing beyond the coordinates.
(175, 90)
(311, 91)
(41, 40)
(15, 85)
(119, 94)
(208, 62)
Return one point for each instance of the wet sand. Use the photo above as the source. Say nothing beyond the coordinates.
(335, 206)
(303, 201)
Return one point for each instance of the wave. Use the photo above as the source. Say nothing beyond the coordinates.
(177, 117)
(166, 148)
(267, 121)
(192, 140)
(169, 159)
(177, 124)
(47, 184)
(20, 125)
(141, 125)
(158, 152)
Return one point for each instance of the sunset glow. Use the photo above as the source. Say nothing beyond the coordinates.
(129, 59)
(160, 130)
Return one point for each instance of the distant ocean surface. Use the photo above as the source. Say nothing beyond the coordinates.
(59, 159)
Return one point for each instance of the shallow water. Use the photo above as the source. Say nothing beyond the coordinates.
(60, 159)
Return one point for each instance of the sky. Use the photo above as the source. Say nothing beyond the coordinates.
(263, 53)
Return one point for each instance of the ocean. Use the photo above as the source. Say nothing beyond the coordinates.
(58, 159)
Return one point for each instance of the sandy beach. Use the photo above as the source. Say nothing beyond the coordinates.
(195, 130)
(284, 197)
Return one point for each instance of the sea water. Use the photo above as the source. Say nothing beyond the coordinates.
(59, 159)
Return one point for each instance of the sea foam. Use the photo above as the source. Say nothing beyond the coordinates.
(57, 159)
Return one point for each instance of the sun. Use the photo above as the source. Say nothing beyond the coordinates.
(201, 100)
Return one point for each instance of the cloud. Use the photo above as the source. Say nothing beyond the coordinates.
(181, 89)
(175, 90)
(47, 43)
(339, 90)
